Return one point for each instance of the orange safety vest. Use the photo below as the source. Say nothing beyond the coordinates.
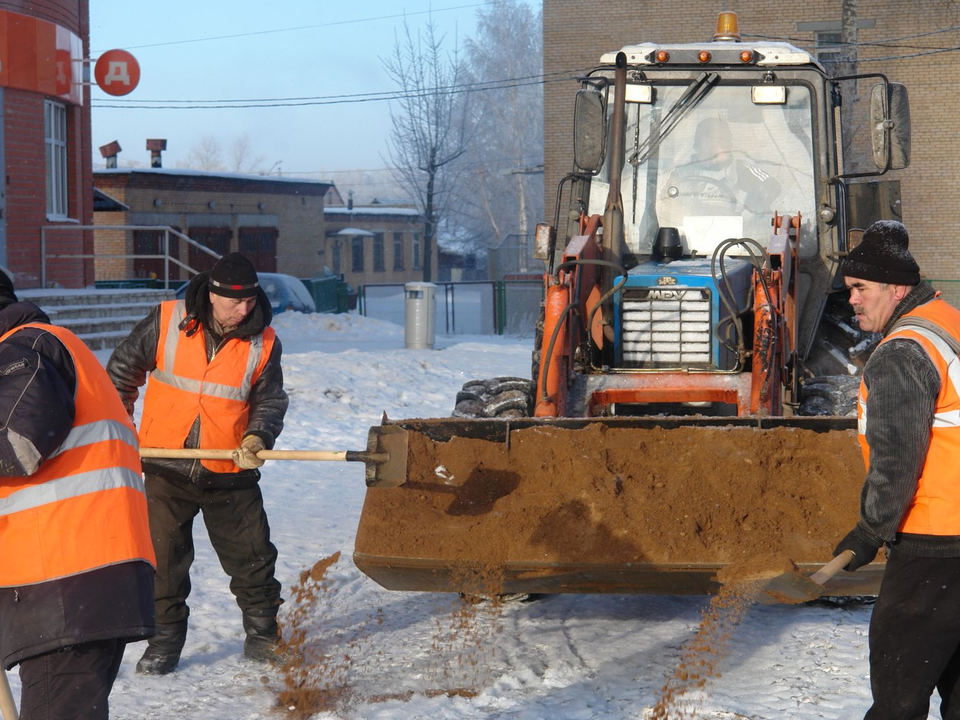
(185, 385)
(935, 507)
(85, 507)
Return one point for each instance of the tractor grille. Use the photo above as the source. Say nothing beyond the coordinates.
(666, 327)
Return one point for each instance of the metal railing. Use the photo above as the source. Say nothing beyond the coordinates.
(165, 256)
(464, 308)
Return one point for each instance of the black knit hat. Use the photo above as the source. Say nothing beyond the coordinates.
(7, 295)
(233, 276)
(882, 256)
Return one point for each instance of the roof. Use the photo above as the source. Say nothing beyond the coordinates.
(369, 210)
(186, 179)
(186, 172)
(104, 203)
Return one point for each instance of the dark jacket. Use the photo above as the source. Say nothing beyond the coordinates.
(903, 385)
(136, 356)
(37, 385)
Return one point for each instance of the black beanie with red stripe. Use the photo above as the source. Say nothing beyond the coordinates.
(233, 276)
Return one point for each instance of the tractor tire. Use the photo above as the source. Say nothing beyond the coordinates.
(502, 397)
(839, 346)
(830, 395)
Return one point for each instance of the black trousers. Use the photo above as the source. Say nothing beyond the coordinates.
(915, 639)
(72, 683)
(238, 529)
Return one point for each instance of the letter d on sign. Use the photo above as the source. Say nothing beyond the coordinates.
(117, 72)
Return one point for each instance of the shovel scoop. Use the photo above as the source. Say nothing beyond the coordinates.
(794, 587)
(385, 457)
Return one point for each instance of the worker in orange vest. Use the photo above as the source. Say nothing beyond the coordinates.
(76, 558)
(909, 429)
(215, 382)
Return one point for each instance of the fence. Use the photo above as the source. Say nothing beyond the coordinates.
(464, 308)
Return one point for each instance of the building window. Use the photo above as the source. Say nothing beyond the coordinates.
(55, 140)
(335, 259)
(356, 252)
(417, 252)
(830, 49)
(378, 264)
(398, 251)
(828, 38)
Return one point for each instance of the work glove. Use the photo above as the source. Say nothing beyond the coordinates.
(245, 456)
(864, 550)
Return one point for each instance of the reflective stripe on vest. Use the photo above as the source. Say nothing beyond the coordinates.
(85, 507)
(170, 345)
(186, 384)
(935, 506)
(948, 357)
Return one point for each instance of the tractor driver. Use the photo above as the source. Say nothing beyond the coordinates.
(718, 183)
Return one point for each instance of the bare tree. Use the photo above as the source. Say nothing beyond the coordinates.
(428, 131)
(241, 156)
(505, 157)
(205, 154)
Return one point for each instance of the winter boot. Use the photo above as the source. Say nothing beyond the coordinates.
(163, 650)
(263, 634)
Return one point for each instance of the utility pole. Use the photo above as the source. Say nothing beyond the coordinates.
(851, 97)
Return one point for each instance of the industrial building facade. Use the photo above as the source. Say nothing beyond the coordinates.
(44, 137)
(911, 43)
(278, 222)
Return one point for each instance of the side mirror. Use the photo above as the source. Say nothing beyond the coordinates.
(589, 131)
(890, 126)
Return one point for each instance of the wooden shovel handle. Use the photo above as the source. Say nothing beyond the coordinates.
(263, 454)
(833, 567)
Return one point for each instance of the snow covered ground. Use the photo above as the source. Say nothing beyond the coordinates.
(411, 653)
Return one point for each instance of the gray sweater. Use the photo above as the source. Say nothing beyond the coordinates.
(903, 385)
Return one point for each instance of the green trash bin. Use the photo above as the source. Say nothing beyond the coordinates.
(324, 292)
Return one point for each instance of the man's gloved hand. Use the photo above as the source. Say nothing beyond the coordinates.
(864, 549)
(245, 456)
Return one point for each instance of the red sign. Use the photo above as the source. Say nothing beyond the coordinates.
(117, 72)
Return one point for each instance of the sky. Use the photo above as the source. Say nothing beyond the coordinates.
(247, 50)
(428, 656)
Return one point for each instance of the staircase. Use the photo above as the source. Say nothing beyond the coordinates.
(101, 318)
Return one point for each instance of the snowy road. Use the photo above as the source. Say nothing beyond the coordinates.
(420, 655)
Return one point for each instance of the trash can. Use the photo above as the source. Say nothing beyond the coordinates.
(421, 315)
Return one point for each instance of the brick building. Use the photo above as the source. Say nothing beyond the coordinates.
(375, 243)
(44, 136)
(276, 221)
(904, 41)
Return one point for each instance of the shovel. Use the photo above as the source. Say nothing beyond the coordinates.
(8, 708)
(385, 457)
(794, 587)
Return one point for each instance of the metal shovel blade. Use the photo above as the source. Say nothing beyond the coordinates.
(386, 456)
(794, 587)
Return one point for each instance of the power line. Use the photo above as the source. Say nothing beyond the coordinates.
(888, 43)
(565, 76)
(305, 27)
(372, 95)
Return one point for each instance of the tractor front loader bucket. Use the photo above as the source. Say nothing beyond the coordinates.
(618, 505)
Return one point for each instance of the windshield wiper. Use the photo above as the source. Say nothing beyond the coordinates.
(695, 92)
